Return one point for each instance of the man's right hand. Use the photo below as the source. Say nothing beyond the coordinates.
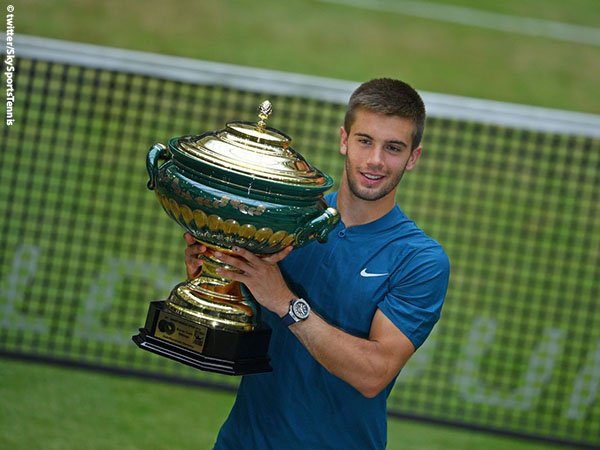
(193, 251)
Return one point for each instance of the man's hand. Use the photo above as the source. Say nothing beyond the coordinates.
(262, 277)
(193, 251)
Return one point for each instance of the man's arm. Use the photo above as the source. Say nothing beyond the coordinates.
(366, 364)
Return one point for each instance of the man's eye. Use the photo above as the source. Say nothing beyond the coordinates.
(394, 149)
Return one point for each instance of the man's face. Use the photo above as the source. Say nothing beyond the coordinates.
(378, 152)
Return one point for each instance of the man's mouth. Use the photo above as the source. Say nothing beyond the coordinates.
(371, 176)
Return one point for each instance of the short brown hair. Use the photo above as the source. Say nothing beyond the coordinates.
(392, 98)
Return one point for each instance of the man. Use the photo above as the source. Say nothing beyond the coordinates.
(348, 314)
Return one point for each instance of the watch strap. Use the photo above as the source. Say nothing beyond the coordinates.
(288, 320)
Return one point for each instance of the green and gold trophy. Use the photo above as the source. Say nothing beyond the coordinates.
(240, 186)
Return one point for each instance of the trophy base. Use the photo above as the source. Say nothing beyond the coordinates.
(227, 352)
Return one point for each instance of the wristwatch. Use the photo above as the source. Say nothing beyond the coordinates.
(299, 310)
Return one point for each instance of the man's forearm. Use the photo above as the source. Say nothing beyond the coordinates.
(368, 365)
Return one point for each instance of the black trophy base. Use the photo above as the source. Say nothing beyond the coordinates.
(227, 352)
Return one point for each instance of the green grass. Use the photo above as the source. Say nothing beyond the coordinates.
(49, 408)
(312, 37)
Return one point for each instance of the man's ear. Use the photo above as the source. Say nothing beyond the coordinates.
(343, 141)
(413, 158)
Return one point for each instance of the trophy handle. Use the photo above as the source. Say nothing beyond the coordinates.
(318, 228)
(156, 153)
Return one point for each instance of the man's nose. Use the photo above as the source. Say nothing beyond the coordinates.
(375, 158)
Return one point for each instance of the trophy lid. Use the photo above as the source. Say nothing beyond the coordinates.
(250, 154)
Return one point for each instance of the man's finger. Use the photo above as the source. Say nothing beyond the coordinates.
(194, 251)
(239, 263)
(279, 256)
(247, 255)
(234, 276)
(193, 268)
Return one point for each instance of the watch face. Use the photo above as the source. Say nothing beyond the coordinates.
(301, 309)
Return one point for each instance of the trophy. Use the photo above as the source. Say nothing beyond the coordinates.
(240, 186)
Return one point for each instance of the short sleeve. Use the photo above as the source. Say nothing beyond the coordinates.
(417, 292)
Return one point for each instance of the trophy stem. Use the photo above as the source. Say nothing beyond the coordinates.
(213, 300)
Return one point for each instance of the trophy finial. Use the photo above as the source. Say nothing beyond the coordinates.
(264, 111)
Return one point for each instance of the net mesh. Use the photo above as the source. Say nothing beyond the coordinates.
(84, 246)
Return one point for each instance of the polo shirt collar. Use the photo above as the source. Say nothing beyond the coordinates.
(389, 220)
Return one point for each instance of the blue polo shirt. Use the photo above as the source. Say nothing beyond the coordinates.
(389, 264)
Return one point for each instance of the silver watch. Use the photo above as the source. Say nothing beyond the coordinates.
(299, 310)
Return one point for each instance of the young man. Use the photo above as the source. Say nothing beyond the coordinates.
(348, 314)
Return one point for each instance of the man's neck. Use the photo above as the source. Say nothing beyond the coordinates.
(356, 211)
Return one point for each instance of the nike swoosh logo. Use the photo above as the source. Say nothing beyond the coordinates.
(364, 273)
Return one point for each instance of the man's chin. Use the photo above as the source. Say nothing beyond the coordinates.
(369, 195)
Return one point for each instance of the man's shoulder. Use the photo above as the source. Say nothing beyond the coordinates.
(415, 242)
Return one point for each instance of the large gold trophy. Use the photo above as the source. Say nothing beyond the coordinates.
(240, 186)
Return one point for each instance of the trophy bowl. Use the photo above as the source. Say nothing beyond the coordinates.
(241, 186)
